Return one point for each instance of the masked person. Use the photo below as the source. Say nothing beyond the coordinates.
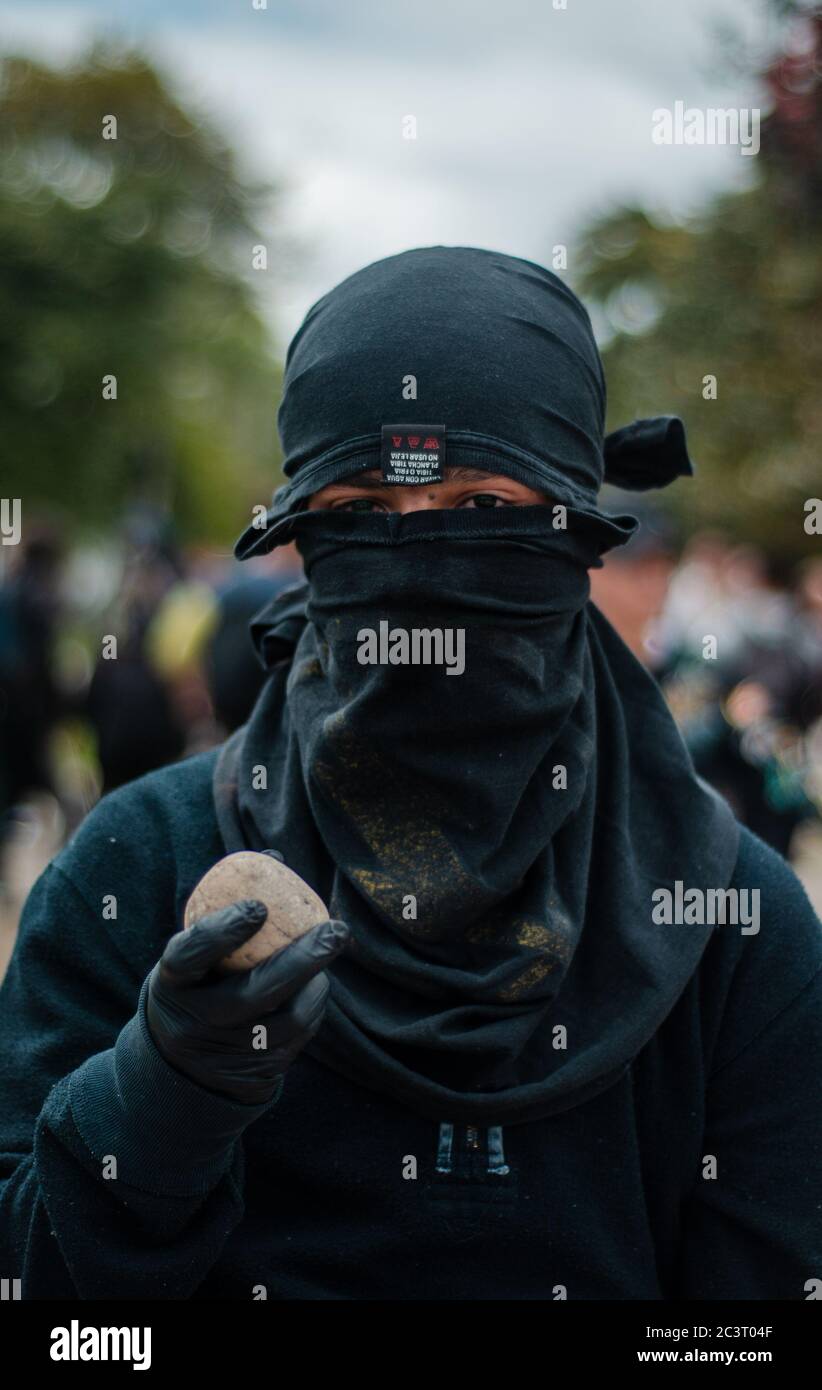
(522, 1059)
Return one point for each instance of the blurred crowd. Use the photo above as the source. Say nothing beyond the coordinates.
(114, 662)
(736, 644)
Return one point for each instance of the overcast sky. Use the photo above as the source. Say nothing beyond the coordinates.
(529, 119)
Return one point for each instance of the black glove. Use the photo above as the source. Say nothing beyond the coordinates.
(203, 1023)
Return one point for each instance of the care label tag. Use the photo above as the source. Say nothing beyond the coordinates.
(412, 453)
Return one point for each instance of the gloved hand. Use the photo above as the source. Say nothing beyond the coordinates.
(203, 1022)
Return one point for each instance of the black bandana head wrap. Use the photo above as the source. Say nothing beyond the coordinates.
(465, 761)
(499, 349)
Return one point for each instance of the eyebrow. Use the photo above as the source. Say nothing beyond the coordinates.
(450, 475)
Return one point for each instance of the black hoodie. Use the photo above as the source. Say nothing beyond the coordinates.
(696, 1175)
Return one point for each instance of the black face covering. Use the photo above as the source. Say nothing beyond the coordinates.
(491, 821)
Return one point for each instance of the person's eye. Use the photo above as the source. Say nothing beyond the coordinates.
(361, 505)
(484, 499)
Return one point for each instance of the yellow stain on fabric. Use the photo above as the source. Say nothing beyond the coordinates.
(552, 949)
(305, 670)
(396, 823)
(530, 976)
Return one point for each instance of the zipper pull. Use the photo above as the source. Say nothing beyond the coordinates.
(496, 1153)
(444, 1147)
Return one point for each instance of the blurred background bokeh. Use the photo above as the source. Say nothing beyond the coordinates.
(149, 284)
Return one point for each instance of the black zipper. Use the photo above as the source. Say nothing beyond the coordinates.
(473, 1144)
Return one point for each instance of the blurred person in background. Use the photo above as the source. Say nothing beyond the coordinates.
(233, 670)
(806, 635)
(30, 701)
(632, 587)
(129, 704)
(186, 672)
(745, 702)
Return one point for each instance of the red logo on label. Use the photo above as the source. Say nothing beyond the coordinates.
(431, 443)
(396, 440)
(413, 440)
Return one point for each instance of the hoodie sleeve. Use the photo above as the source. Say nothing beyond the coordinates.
(753, 1223)
(118, 1176)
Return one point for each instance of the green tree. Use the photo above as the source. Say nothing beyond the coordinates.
(133, 257)
(736, 293)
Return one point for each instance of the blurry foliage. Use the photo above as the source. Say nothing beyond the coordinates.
(133, 257)
(736, 292)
